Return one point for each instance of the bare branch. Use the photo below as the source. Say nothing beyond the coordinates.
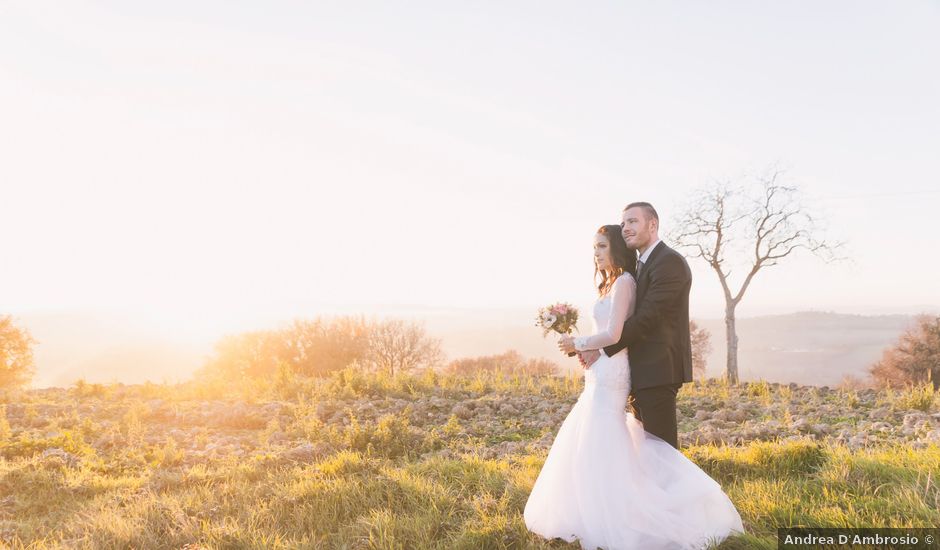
(766, 217)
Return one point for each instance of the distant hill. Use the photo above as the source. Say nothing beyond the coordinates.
(808, 348)
(816, 348)
(108, 347)
(812, 348)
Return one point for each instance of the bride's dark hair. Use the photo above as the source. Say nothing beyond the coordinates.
(622, 257)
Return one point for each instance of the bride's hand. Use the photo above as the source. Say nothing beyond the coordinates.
(566, 344)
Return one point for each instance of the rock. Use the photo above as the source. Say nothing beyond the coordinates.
(543, 442)
(721, 415)
(366, 409)
(702, 415)
(445, 453)
(908, 431)
(60, 454)
(820, 429)
(880, 413)
(712, 423)
(800, 425)
(277, 437)
(273, 409)
(915, 419)
(857, 441)
(440, 403)
(462, 411)
(419, 412)
(502, 449)
(325, 410)
(306, 452)
(707, 435)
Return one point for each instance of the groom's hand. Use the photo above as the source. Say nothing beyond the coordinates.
(587, 358)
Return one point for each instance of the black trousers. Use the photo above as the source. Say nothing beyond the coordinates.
(656, 408)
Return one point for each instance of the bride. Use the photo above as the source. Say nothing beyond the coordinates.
(606, 481)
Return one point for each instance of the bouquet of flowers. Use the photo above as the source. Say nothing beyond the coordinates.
(561, 318)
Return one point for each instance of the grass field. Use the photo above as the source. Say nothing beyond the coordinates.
(414, 461)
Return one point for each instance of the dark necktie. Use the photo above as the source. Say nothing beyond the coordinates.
(639, 267)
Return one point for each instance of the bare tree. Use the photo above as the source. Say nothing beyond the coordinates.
(761, 224)
(397, 345)
(321, 346)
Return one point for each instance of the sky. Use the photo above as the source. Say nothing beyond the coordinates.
(207, 164)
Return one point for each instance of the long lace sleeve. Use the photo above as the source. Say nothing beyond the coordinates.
(622, 303)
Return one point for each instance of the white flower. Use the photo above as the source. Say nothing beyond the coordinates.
(548, 320)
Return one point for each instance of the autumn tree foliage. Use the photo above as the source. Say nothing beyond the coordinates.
(321, 346)
(914, 359)
(16, 354)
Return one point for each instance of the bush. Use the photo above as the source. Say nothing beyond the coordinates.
(250, 354)
(16, 354)
(322, 347)
(914, 359)
(391, 437)
(5, 431)
(701, 347)
(83, 390)
(510, 362)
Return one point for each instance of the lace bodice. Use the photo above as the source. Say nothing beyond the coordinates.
(609, 314)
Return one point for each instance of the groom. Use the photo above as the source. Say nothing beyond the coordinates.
(657, 334)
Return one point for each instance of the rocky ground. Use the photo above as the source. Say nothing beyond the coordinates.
(363, 460)
(64, 427)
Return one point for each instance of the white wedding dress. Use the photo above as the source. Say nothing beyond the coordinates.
(607, 482)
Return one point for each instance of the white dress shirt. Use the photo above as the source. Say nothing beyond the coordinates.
(649, 250)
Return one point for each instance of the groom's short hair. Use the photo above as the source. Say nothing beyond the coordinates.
(647, 209)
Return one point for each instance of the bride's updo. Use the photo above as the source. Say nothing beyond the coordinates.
(622, 258)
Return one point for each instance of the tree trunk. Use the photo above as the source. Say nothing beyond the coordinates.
(732, 337)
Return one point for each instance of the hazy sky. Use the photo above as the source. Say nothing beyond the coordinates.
(249, 160)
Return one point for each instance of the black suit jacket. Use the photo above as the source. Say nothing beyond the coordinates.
(657, 334)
